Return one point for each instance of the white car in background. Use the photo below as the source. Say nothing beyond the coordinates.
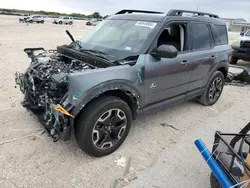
(35, 18)
(93, 22)
(64, 20)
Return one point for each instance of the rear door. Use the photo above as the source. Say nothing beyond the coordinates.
(203, 54)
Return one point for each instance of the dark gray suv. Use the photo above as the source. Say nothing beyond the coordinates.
(130, 64)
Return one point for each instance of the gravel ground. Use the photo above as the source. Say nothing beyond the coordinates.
(160, 156)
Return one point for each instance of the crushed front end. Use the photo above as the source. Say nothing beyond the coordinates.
(45, 88)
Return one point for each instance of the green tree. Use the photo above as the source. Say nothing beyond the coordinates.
(96, 15)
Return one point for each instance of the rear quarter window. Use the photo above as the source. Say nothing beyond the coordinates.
(222, 30)
(216, 35)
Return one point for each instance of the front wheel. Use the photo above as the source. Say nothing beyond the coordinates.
(213, 90)
(103, 126)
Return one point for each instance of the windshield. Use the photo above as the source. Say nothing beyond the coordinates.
(118, 38)
(247, 33)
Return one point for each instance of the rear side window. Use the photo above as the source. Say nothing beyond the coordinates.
(201, 35)
(216, 35)
(223, 33)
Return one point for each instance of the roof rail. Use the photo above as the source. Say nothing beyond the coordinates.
(139, 11)
(175, 12)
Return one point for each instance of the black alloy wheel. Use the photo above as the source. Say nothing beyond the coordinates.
(103, 125)
(215, 89)
(109, 128)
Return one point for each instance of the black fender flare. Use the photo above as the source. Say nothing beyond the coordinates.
(103, 87)
(220, 65)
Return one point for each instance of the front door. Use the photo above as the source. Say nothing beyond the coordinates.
(166, 78)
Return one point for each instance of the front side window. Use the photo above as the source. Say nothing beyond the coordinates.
(201, 36)
(118, 38)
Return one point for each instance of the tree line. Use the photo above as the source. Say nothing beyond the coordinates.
(48, 13)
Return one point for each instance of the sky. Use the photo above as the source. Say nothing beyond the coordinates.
(224, 8)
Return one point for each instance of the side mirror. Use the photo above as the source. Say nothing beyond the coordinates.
(166, 51)
(242, 33)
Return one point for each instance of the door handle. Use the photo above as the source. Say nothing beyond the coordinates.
(213, 57)
(184, 62)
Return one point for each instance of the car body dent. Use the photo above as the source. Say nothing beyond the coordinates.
(83, 87)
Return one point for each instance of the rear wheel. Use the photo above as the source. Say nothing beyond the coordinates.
(70, 23)
(42, 21)
(103, 126)
(60, 22)
(213, 90)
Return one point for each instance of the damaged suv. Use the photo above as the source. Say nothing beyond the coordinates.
(128, 65)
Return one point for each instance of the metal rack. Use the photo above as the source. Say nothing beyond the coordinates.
(138, 11)
(173, 12)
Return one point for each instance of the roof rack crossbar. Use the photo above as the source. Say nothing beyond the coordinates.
(175, 12)
(139, 11)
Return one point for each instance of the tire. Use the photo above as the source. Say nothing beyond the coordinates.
(88, 132)
(42, 22)
(60, 22)
(70, 23)
(214, 182)
(233, 60)
(31, 21)
(213, 89)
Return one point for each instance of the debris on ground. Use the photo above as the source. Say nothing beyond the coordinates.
(16, 139)
(120, 161)
(236, 75)
(128, 164)
(168, 125)
(32, 138)
(13, 103)
(115, 183)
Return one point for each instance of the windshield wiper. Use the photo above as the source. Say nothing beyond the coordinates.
(127, 60)
(70, 36)
(73, 40)
(97, 53)
(94, 51)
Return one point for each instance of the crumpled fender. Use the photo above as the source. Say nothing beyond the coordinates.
(86, 97)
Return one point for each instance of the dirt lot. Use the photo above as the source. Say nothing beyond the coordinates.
(160, 156)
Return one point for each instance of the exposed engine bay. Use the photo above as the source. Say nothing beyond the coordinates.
(45, 84)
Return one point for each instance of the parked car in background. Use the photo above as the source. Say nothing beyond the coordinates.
(24, 18)
(241, 48)
(93, 22)
(63, 20)
(35, 18)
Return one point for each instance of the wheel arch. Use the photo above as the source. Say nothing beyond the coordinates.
(123, 91)
(224, 71)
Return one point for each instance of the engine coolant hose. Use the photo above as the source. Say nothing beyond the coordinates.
(214, 166)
